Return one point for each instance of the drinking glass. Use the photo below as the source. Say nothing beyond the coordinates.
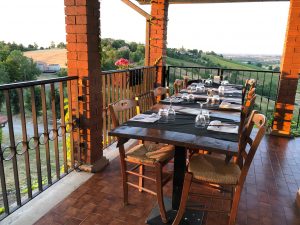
(190, 98)
(221, 90)
(163, 113)
(215, 99)
(171, 111)
(200, 121)
(184, 96)
(206, 115)
(200, 88)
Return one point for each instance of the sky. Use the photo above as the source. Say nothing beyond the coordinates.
(233, 28)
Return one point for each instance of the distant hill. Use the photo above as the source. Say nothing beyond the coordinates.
(59, 56)
(49, 56)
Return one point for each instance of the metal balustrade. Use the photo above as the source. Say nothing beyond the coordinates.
(37, 144)
(266, 88)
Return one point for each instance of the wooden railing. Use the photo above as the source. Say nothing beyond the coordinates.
(124, 84)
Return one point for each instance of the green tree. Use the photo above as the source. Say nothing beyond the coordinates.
(62, 73)
(18, 68)
(52, 44)
(133, 46)
(118, 44)
(61, 45)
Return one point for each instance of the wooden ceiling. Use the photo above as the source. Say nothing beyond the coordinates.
(145, 2)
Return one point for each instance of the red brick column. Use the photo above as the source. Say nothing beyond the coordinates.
(158, 35)
(83, 41)
(290, 68)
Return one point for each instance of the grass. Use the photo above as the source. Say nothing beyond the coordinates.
(227, 63)
(49, 56)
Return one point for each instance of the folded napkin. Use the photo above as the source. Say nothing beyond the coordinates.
(228, 105)
(218, 126)
(146, 118)
(174, 100)
(233, 100)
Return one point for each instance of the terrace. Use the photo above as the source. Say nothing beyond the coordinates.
(63, 124)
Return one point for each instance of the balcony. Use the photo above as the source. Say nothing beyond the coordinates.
(56, 132)
(43, 145)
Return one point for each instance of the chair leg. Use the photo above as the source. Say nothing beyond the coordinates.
(235, 204)
(184, 196)
(141, 179)
(159, 191)
(124, 175)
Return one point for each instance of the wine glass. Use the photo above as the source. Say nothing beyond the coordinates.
(206, 115)
(190, 98)
(200, 121)
(221, 90)
(163, 113)
(171, 111)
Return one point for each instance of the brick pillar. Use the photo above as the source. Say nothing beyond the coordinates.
(290, 68)
(83, 55)
(158, 36)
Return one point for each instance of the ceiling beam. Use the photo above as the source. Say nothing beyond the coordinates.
(147, 2)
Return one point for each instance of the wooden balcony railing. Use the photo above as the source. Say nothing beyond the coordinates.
(121, 84)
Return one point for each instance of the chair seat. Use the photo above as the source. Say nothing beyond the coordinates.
(210, 169)
(150, 153)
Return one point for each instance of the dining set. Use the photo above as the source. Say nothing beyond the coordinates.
(206, 132)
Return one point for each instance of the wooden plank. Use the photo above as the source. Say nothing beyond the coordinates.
(177, 139)
(147, 2)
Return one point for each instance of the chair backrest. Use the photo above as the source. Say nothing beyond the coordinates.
(246, 111)
(146, 100)
(245, 157)
(122, 110)
(160, 91)
(178, 85)
(248, 86)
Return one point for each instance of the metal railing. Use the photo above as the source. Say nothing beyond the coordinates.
(266, 88)
(37, 143)
(124, 84)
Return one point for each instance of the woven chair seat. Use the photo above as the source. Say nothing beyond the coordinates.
(214, 170)
(151, 153)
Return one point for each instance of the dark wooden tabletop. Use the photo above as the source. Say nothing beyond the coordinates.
(186, 140)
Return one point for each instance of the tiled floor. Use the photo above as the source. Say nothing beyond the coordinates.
(268, 196)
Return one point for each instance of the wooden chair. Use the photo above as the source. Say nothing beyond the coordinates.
(208, 170)
(178, 85)
(247, 108)
(155, 156)
(248, 86)
(146, 100)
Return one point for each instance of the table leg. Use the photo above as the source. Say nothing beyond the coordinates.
(178, 178)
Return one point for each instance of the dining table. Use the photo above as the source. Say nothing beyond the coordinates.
(182, 133)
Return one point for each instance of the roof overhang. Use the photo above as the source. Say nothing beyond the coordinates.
(146, 2)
